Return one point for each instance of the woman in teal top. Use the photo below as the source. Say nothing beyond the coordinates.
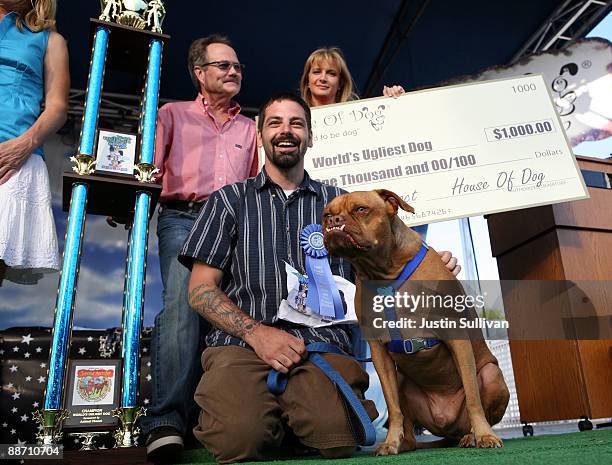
(33, 71)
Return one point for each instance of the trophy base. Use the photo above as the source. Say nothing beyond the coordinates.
(108, 195)
(125, 456)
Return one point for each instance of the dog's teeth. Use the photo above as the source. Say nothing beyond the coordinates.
(342, 227)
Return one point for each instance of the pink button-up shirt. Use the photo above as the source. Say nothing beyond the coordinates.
(196, 155)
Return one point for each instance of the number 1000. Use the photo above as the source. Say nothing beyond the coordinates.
(524, 88)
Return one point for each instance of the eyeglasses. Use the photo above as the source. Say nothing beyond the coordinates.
(225, 66)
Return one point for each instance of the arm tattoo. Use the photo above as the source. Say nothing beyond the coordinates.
(214, 305)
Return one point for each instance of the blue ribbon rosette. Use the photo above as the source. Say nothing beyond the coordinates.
(323, 295)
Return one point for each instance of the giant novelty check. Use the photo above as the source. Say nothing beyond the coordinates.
(450, 152)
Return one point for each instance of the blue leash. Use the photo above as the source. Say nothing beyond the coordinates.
(359, 420)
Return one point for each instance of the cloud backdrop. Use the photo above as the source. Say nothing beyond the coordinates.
(100, 287)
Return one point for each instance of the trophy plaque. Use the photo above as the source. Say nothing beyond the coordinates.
(116, 152)
(92, 393)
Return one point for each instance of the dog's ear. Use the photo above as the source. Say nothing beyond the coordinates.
(394, 201)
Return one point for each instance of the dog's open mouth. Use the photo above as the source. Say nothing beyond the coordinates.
(339, 233)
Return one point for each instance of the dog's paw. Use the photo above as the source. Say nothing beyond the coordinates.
(387, 448)
(489, 441)
(408, 445)
(467, 441)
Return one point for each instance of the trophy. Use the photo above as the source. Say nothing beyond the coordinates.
(115, 179)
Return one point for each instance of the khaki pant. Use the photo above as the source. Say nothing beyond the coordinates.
(242, 420)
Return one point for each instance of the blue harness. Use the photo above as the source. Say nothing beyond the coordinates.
(398, 344)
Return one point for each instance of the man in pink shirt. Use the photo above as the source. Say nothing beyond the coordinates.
(200, 146)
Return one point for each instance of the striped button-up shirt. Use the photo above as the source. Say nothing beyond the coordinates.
(249, 230)
(196, 154)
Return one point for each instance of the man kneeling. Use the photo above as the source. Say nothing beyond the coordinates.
(236, 250)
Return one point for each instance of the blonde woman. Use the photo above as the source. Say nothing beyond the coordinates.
(33, 71)
(326, 79)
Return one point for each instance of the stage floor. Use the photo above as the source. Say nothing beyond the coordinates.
(589, 447)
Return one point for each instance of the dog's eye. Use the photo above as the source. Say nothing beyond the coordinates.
(361, 209)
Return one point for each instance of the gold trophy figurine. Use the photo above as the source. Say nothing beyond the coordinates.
(139, 14)
(111, 9)
(155, 15)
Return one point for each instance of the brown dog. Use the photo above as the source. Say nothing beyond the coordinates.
(454, 389)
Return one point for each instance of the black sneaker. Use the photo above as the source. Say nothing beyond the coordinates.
(163, 445)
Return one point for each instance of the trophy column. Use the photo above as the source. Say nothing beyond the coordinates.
(133, 302)
(52, 414)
